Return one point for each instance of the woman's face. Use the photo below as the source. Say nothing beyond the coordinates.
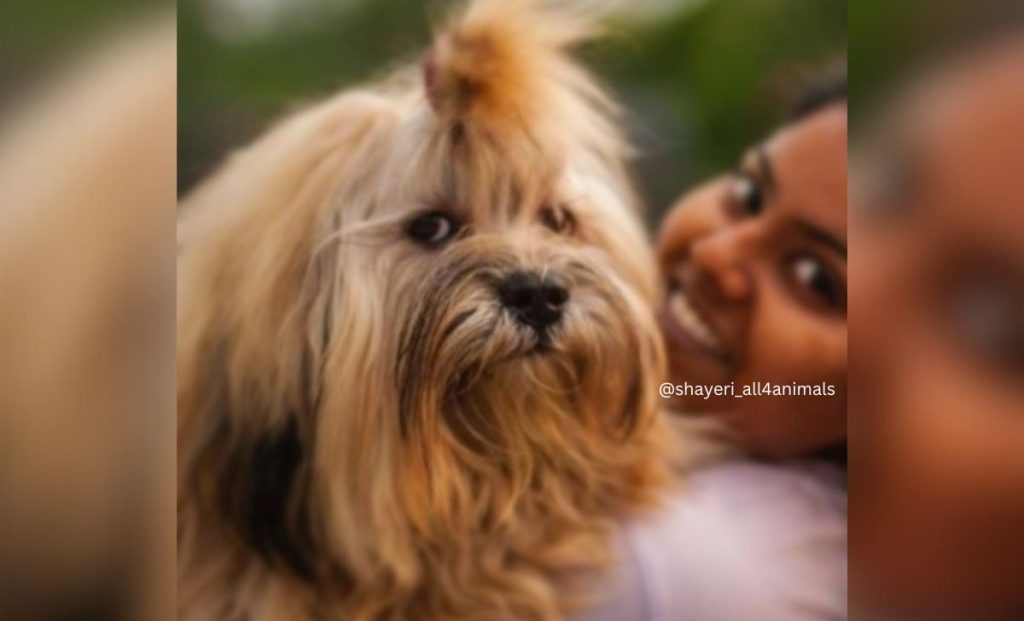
(937, 291)
(755, 268)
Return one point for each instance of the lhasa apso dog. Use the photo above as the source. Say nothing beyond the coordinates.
(417, 361)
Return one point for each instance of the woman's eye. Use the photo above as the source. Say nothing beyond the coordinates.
(814, 277)
(747, 195)
(558, 219)
(433, 229)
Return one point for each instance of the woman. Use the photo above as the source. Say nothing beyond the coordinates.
(755, 271)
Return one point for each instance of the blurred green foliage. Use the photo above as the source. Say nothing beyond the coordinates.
(884, 32)
(896, 41)
(700, 83)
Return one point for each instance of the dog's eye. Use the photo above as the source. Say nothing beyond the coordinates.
(558, 219)
(433, 229)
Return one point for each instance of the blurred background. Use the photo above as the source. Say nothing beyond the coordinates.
(87, 220)
(895, 42)
(701, 79)
(936, 315)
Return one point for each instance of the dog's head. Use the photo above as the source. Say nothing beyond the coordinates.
(420, 315)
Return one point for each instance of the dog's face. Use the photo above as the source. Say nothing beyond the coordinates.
(477, 282)
(493, 294)
(430, 314)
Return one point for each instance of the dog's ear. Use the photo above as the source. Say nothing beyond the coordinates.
(255, 288)
(246, 475)
(498, 62)
(262, 495)
(247, 404)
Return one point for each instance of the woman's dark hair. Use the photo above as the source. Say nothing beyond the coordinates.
(819, 94)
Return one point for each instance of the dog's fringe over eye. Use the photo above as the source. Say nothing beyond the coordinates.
(433, 229)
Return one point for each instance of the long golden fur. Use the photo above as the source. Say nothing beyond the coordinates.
(364, 432)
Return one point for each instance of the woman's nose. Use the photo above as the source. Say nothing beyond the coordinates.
(724, 258)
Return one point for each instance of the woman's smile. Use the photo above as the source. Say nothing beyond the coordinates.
(688, 327)
(692, 324)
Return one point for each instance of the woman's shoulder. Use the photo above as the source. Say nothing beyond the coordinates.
(803, 492)
(741, 540)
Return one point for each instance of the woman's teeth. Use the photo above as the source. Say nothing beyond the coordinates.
(687, 317)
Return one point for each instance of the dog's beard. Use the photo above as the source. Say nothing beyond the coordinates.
(451, 456)
(504, 402)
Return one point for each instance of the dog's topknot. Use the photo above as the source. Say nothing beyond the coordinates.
(498, 60)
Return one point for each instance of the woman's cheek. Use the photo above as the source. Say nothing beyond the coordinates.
(788, 343)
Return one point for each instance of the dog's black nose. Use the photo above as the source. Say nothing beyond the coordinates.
(532, 299)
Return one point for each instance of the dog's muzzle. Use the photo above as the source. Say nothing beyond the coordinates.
(534, 300)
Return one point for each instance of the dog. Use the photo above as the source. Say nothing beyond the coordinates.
(417, 357)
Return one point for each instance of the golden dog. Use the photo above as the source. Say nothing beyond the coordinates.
(417, 361)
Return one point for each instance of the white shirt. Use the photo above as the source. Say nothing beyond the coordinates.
(744, 541)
